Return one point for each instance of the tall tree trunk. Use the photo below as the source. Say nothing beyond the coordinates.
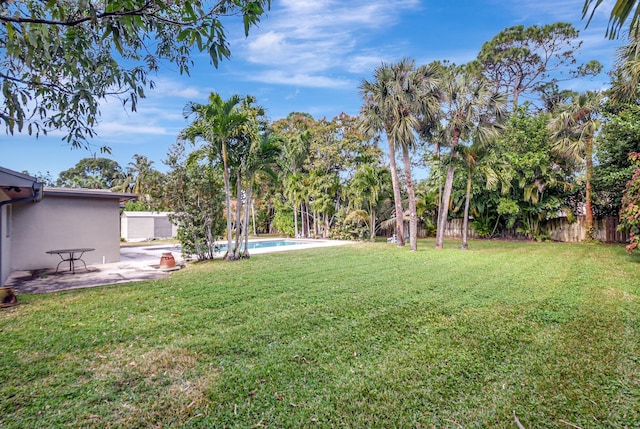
(327, 225)
(308, 209)
(373, 224)
(227, 190)
(516, 95)
(245, 227)
(413, 218)
(295, 215)
(253, 217)
(396, 193)
(588, 202)
(465, 219)
(444, 209)
(439, 190)
(303, 218)
(236, 250)
(446, 193)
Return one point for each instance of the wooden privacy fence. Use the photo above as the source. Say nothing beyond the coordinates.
(605, 230)
(558, 229)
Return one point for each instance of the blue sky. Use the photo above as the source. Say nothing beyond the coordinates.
(310, 56)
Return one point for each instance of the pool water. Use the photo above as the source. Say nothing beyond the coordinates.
(263, 244)
(270, 243)
(252, 245)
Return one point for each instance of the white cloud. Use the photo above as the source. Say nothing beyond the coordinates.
(300, 79)
(110, 128)
(269, 43)
(173, 88)
(307, 42)
(364, 63)
(293, 95)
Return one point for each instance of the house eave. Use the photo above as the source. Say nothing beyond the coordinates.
(89, 193)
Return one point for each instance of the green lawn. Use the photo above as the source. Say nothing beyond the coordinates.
(366, 335)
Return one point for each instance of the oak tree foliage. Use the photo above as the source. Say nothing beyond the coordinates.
(60, 58)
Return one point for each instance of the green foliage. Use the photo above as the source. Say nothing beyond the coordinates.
(61, 58)
(135, 206)
(197, 198)
(221, 129)
(620, 13)
(401, 101)
(317, 158)
(92, 173)
(148, 184)
(283, 222)
(520, 59)
(41, 177)
(540, 180)
(630, 211)
(620, 136)
(509, 209)
(482, 227)
(370, 186)
(473, 112)
(348, 226)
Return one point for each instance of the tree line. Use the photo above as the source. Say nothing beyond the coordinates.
(503, 147)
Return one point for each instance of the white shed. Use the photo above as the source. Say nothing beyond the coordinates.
(141, 226)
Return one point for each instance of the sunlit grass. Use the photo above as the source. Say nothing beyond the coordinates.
(367, 335)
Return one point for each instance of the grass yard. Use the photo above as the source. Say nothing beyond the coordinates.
(366, 335)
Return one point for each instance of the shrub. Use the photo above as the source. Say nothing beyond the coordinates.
(630, 211)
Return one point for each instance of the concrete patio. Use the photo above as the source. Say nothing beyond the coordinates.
(136, 264)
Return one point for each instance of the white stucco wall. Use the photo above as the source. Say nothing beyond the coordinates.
(61, 222)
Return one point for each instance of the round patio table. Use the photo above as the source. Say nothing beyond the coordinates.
(71, 256)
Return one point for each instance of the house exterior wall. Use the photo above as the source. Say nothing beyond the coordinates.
(5, 243)
(63, 222)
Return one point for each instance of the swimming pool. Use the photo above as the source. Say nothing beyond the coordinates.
(260, 244)
(264, 244)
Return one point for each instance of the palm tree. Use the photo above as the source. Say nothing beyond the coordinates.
(478, 158)
(471, 109)
(619, 14)
(262, 155)
(245, 142)
(216, 123)
(323, 190)
(396, 102)
(368, 185)
(625, 80)
(293, 192)
(138, 179)
(574, 129)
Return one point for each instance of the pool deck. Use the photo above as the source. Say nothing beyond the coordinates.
(137, 263)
